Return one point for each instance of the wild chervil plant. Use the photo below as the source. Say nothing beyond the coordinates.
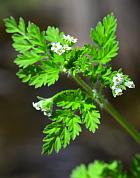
(43, 56)
(114, 169)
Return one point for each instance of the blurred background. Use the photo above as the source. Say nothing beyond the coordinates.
(21, 126)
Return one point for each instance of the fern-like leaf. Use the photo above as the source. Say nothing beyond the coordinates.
(104, 36)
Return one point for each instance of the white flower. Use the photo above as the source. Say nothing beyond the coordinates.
(37, 105)
(118, 79)
(45, 113)
(118, 91)
(68, 73)
(129, 84)
(66, 47)
(56, 46)
(60, 51)
(49, 114)
(74, 40)
(44, 105)
(120, 75)
(70, 38)
(67, 37)
(113, 87)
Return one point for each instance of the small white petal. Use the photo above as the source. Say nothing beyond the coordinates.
(45, 113)
(65, 37)
(129, 84)
(56, 46)
(118, 91)
(53, 43)
(113, 87)
(49, 114)
(117, 79)
(60, 51)
(74, 40)
(36, 106)
(68, 73)
(70, 38)
(66, 47)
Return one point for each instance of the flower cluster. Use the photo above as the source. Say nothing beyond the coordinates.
(59, 49)
(42, 105)
(70, 39)
(120, 83)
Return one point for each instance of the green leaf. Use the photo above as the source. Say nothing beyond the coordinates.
(104, 33)
(76, 100)
(91, 120)
(65, 126)
(27, 59)
(79, 172)
(96, 169)
(57, 144)
(99, 169)
(39, 75)
(20, 44)
(11, 25)
(36, 36)
(73, 125)
(27, 40)
(54, 35)
(70, 99)
(21, 25)
(104, 36)
(52, 138)
(135, 167)
(48, 76)
(66, 137)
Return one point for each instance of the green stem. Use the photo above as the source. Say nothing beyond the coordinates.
(110, 109)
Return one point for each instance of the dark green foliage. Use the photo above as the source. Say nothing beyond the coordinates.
(135, 167)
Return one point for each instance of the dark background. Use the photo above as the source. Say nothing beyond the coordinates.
(21, 126)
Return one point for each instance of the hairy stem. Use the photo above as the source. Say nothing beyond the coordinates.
(109, 108)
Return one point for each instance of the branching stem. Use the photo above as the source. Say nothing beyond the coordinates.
(109, 108)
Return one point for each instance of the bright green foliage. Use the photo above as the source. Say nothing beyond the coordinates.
(39, 75)
(76, 100)
(33, 55)
(66, 121)
(91, 120)
(26, 38)
(100, 169)
(44, 55)
(104, 36)
(80, 172)
(65, 126)
(34, 50)
(53, 35)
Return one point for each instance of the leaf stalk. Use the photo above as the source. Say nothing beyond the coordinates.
(109, 108)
